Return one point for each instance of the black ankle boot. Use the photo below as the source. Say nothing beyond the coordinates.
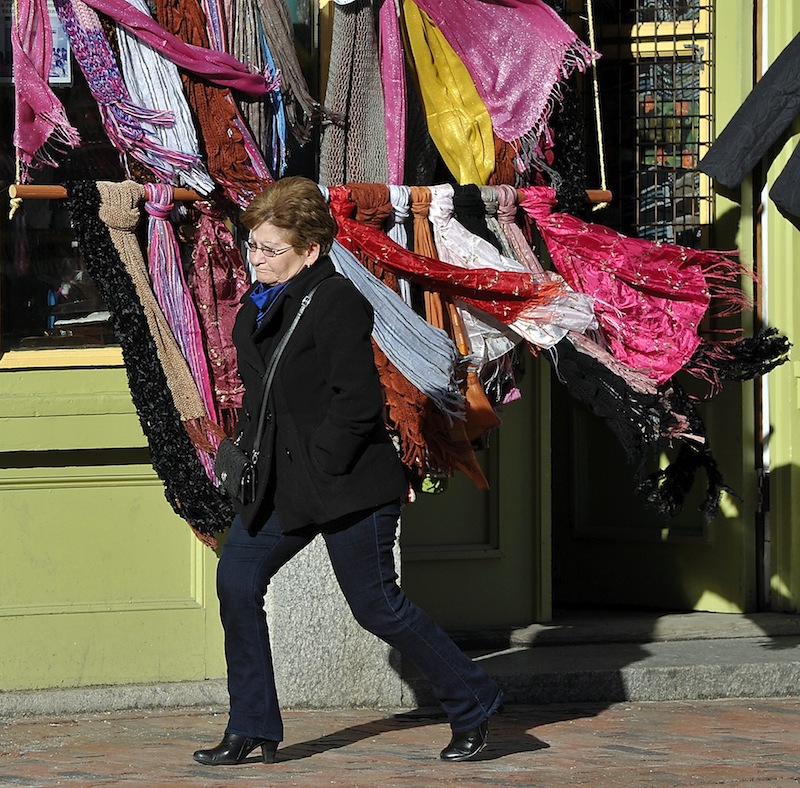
(464, 746)
(234, 749)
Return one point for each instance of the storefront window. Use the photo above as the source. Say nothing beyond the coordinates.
(656, 93)
(47, 300)
(667, 141)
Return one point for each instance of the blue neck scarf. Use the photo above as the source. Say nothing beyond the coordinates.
(264, 296)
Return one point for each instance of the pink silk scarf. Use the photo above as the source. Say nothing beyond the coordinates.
(506, 295)
(649, 297)
(393, 77)
(506, 217)
(517, 51)
(41, 127)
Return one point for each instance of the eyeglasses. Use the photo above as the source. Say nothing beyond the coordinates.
(265, 250)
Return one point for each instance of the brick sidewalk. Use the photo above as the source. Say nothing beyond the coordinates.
(698, 743)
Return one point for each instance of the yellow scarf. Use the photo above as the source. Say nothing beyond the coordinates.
(458, 121)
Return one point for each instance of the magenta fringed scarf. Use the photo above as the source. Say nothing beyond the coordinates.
(217, 280)
(217, 67)
(649, 297)
(517, 51)
(41, 126)
(172, 294)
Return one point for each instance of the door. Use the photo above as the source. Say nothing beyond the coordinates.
(477, 559)
(681, 74)
(611, 549)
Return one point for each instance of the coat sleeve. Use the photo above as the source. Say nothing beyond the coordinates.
(342, 331)
(766, 113)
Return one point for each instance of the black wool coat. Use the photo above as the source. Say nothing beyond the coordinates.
(325, 452)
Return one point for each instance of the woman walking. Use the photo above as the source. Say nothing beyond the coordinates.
(326, 467)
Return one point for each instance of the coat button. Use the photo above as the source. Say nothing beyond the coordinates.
(288, 454)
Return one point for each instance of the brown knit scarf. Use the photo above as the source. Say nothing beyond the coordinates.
(374, 207)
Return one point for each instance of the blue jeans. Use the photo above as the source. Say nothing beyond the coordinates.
(360, 548)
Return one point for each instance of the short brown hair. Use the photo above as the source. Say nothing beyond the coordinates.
(294, 204)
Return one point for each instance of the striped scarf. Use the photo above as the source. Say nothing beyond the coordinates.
(172, 294)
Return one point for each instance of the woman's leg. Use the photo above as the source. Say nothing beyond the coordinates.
(245, 569)
(361, 554)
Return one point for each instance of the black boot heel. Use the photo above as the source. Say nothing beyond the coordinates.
(234, 749)
(268, 750)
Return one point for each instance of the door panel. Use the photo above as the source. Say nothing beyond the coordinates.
(473, 559)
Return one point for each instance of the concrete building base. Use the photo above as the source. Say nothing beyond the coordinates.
(590, 658)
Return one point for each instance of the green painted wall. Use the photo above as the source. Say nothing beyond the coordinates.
(782, 244)
(100, 582)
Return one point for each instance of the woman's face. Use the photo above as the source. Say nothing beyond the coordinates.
(271, 270)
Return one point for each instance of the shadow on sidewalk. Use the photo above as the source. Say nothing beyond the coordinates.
(509, 731)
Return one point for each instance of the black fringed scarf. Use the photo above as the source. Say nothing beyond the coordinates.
(644, 424)
(667, 488)
(186, 485)
(747, 358)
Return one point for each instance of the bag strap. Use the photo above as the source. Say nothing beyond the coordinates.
(269, 374)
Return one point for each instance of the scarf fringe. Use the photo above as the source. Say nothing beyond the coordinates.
(667, 489)
(63, 137)
(721, 271)
(745, 359)
(204, 434)
(645, 425)
(575, 56)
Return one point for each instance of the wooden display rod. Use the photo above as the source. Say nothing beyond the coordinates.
(26, 191)
(32, 192)
(598, 195)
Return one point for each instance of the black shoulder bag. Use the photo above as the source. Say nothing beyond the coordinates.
(234, 467)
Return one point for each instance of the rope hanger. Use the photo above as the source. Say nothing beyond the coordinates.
(601, 152)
